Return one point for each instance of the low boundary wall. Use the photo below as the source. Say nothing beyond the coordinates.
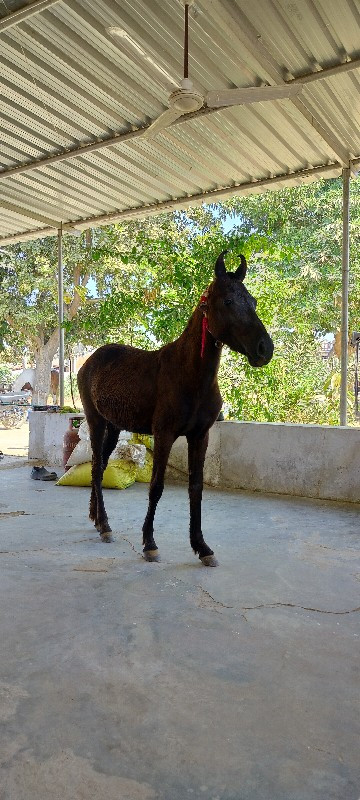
(308, 460)
(46, 435)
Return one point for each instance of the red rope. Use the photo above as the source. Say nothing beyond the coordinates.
(205, 326)
(205, 323)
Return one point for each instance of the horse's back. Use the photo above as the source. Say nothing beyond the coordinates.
(119, 382)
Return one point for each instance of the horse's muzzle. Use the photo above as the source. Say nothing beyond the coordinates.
(264, 352)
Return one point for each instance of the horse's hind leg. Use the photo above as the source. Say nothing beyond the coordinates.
(97, 427)
(109, 442)
(93, 505)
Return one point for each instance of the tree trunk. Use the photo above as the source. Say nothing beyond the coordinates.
(44, 357)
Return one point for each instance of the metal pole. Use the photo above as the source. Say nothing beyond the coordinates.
(345, 296)
(61, 317)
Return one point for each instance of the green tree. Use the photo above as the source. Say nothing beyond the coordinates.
(149, 275)
(298, 280)
(29, 298)
(293, 243)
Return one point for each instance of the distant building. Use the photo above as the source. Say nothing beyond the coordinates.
(326, 349)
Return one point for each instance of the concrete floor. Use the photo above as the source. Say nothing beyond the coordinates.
(124, 680)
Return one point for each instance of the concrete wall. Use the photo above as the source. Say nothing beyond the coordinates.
(46, 433)
(308, 460)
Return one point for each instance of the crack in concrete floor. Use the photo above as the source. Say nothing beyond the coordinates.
(5, 514)
(303, 608)
(210, 602)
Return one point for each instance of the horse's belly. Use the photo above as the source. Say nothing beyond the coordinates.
(126, 413)
(123, 387)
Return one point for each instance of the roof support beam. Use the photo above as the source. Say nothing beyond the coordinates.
(321, 128)
(327, 135)
(24, 13)
(14, 208)
(231, 19)
(76, 151)
(327, 72)
(250, 187)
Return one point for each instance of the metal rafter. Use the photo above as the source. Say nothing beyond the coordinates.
(237, 24)
(250, 187)
(76, 152)
(24, 13)
(304, 107)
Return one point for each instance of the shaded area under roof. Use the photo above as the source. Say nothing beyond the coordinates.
(74, 102)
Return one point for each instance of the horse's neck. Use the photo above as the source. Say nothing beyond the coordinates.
(190, 343)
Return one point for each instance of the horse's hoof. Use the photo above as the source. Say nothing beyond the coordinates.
(105, 532)
(106, 537)
(151, 555)
(209, 561)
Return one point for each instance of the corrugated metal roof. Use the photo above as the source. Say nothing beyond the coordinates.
(73, 101)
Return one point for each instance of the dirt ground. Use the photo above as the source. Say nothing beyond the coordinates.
(15, 441)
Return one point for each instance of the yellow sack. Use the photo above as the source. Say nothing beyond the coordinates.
(143, 438)
(143, 474)
(118, 475)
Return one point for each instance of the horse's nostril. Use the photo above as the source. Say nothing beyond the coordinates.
(261, 348)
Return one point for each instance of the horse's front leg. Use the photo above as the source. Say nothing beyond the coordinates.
(197, 446)
(162, 446)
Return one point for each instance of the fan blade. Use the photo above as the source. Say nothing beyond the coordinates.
(251, 94)
(162, 122)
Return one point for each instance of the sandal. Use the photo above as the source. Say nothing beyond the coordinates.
(42, 474)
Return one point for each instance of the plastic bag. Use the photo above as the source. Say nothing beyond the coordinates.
(82, 453)
(143, 474)
(130, 447)
(143, 438)
(130, 452)
(83, 431)
(118, 475)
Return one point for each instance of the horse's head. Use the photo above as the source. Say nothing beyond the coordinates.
(232, 317)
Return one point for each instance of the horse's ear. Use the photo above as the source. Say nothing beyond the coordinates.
(241, 271)
(220, 269)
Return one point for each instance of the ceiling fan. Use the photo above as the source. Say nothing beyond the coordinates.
(185, 100)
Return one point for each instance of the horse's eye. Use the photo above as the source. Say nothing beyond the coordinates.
(227, 302)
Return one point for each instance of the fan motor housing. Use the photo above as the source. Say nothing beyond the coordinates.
(185, 101)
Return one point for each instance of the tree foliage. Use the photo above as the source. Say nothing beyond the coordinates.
(147, 277)
(292, 240)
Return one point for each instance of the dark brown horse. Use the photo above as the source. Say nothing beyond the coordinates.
(170, 392)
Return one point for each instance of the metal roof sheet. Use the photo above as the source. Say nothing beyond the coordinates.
(74, 101)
